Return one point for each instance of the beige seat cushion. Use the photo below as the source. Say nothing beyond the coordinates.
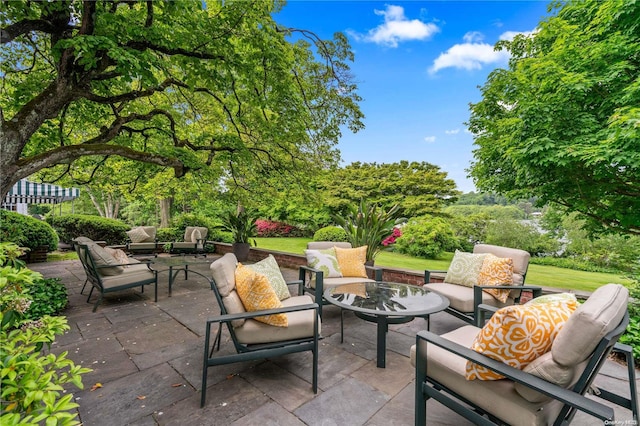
(520, 259)
(322, 245)
(334, 282)
(461, 297)
(223, 272)
(142, 246)
(188, 233)
(133, 274)
(101, 257)
(233, 305)
(300, 325)
(449, 369)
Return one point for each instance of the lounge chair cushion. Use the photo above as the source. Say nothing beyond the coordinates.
(596, 317)
(121, 256)
(461, 297)
(270, 269)
(138, 235)
(323, 245)
(223, 272)
(451, 369)
(102, 257)
(334, 282)
(134, 274)
(465, 268)
(496, 271)
(517, 335)
(189, 232)
(233, 305)
(520, 259)
(300, 325)
(325, 261)
(257, 295)
(351, 261)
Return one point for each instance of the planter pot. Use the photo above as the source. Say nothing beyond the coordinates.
(241, 250)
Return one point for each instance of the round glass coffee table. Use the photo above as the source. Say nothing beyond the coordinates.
(385, 303)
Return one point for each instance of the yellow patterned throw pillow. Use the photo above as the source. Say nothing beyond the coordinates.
(257, 294)
(351, 261)
(496, 271)
(517, 335)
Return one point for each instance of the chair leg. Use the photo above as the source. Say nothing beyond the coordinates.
(90, 293)
(341, 325)
(84, 285)
(95, 306)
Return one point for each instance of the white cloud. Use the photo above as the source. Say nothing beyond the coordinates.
(397, 28)
(430, 139)
(452, 132)
(473, 54)
(473, 37)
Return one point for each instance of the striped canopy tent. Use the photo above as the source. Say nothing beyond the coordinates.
(25, 192)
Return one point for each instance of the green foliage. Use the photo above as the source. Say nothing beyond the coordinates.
(241, 224)
(469, 229)
(97, 228)
(417, 188)
(330, 233)
(169, 234)
(368, 224)
(632, 335)
(514, 234)
(26, 231)
(496, 212)
(33, 383)
(426, 237)
(49, 297)
(41, 209)
(561, 123)
(242, 106)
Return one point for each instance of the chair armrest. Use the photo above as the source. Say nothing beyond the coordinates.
(299, 283)
(556, 392)
(480, 316)
(477, 296)
(249, 315)
(427, 274)
(377, 271)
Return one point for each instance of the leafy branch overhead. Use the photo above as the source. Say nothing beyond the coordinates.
(562, 123)
(178, 85)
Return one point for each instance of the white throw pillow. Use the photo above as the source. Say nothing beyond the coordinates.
(325, 261)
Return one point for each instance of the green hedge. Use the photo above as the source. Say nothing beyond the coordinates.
(26, 231)
(330, 233)
(95, 227)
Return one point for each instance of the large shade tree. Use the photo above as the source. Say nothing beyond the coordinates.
(563, 121)
(189, 85)
(418, 188)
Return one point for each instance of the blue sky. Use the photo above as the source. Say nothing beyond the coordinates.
(418, 65)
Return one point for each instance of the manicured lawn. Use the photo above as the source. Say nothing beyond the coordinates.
(543, 275)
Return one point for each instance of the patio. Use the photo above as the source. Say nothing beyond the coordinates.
(147, 357)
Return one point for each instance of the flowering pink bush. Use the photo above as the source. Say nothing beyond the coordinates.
(268, 228)
(391, 239)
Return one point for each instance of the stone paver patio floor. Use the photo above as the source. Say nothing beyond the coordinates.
(148, 359)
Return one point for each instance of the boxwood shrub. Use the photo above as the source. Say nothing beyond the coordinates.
(330, 233)
(26, 231)
(97, 228)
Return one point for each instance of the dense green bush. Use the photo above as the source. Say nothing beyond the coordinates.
(574, 263)
(97, 228)
(426, 238)
(514, 234)
(632, 335)
(26, 231)
(35, 385)
(170, 234)
(49, 297)
(330, 233)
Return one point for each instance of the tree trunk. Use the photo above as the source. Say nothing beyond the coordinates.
(165, 212)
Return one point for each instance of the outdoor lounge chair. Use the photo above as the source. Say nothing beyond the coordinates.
(315, 281)
(142, 240)
(464, 300)
(253, 339)
(193, 241)
(107, 275)
(547, 391)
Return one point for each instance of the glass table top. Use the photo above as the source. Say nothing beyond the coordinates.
(174, 261)
(390, 299)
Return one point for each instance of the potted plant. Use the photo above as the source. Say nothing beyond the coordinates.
(370, 225)
(242, 226)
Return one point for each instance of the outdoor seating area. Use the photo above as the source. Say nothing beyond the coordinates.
(147, 361)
